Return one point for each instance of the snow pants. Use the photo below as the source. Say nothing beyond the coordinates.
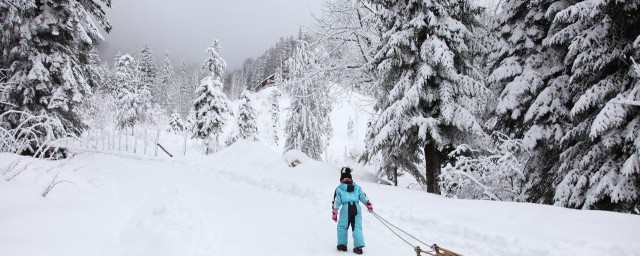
(350, 215)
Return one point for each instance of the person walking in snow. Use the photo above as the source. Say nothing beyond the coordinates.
(345, 200)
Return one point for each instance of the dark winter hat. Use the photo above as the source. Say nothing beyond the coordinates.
(345, 173)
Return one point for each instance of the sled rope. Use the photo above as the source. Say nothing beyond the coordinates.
(388, 224)
(436, 250)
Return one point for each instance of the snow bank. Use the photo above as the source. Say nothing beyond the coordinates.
(245, 200)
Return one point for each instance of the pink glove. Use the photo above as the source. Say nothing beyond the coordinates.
(335, 216)
(369, 206)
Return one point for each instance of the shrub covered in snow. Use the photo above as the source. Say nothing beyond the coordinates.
(495, 173)
(295, 157)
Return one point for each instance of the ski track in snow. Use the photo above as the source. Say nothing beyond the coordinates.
(234, 204)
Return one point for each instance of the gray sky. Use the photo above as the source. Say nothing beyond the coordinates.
(185, 28)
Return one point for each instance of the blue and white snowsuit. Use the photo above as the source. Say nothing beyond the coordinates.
(350, 212)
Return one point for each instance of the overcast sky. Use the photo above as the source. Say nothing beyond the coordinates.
(246, 28)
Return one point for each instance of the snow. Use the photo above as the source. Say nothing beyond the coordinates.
(239, 203)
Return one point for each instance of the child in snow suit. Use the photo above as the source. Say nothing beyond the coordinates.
(345, 199)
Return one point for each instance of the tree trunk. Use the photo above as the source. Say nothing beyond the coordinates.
(395, 176)
(432, 163)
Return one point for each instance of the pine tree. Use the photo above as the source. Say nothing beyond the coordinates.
(247, 124)
(210, 104)
(431, 89)
(127, 97)
(533, 93)
(47, 49)
(600, 162)
(165, 85)
(274, 110)
(258, 73)
(185, 91)
(308, 128)
(147, 68)
(175, 123)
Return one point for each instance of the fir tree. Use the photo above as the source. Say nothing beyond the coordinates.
(274, 110)
(147, 68)
(128, 94)
(308, 128)
(247, 124)
(47, 49)
(600, 162)
(175, 123)
(533, 96)
(185, 91)
(210, 105)
(166, 83)
(431, 89)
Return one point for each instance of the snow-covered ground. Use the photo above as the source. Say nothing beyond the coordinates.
(245, 200)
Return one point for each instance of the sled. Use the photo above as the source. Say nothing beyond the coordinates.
(436, 251)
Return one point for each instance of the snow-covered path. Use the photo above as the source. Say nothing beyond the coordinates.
(230, 204)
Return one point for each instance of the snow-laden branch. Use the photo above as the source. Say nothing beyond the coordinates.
(38, 134)
(494, 173)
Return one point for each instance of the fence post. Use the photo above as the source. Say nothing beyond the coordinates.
(145, 140)
(102, 138)
(126, 141)
(184, 150)
(156, 142)
(135, 140)
(119, 140)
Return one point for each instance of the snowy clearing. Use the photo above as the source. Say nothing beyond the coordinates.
(234, 203)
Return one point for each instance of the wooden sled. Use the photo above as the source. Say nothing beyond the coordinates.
(436, 251)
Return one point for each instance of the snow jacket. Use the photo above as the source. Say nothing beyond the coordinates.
(343, 195)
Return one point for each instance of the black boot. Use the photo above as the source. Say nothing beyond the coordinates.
(342, 247)
(357, 250)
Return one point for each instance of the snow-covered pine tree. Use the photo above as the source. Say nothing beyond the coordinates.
(247, 124)
(274, 110)
(430, 88)
(308, 128)
(350, 128)
(601, 160)
(258, 73)
(127, 97)
(175, 123)
(147, 68)
(185, 97)
(47, 50)
(210, 105)
(166, 83)
(533, 96)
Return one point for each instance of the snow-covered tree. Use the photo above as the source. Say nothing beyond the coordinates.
(600, 163)
(274, 110)
(431, 90)
(344, 27)
(127, 96)
(166, 83)
(308, 127)
(47, 49)
(493, 173)
(185, 90)
(175, 123)
(258, 73)
(350, 128)
(210, 105)
(147, 68)
(533, 96)
(247, 124)
(238, 82)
